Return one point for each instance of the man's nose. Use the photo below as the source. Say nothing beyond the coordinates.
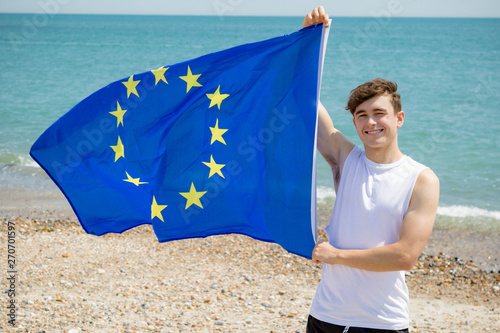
(371, 120)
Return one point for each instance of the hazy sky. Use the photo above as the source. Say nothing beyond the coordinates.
(404, 8)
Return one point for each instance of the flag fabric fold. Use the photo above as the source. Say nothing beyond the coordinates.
(224, 143)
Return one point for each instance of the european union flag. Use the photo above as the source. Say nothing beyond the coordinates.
(224, 143)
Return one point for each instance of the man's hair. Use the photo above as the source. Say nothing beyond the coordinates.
(370, 89)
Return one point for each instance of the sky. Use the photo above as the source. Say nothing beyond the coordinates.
(394, 8)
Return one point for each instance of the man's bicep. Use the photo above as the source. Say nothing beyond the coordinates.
(419, 219)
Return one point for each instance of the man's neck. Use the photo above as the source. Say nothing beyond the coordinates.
(385, 155)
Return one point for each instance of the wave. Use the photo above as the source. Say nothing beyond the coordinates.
(468, 211)
(324, 194)
(18, 159)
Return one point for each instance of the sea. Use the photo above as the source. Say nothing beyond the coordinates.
(447, 70)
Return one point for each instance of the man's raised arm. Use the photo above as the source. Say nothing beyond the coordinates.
(332, 144)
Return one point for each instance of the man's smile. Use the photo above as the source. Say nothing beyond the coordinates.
(374, 131)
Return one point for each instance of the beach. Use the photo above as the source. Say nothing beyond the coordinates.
(69, 281)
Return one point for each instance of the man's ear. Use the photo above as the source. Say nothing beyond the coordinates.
(400, 118)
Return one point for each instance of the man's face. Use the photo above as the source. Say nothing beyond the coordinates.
(376, 123)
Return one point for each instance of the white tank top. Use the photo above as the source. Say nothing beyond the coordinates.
(372, 200)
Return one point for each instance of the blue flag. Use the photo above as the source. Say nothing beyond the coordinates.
(224, 143)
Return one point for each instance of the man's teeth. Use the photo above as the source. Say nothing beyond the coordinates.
(374, 131)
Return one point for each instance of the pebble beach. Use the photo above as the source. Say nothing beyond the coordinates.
(69, 281)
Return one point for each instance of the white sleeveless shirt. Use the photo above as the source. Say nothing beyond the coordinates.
(372, 200)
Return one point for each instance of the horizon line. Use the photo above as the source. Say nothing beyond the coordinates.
(246, 15)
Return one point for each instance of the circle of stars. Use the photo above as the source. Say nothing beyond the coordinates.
(192, 196)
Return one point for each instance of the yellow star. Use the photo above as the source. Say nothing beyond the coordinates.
(217, 133)
(135, 181)
(216, 98)
(118, 114)
(192, 197)
(156, 210)
(191, 80)
(160, 74)
(119, 150)
(131, 86)
(214, 167)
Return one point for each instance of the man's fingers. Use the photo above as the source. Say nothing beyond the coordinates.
(317, 16)
(321, 10)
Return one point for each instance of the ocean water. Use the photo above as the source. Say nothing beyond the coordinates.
(448, 72)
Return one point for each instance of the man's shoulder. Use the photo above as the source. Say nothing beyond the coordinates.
(427, 182)
(428, 176)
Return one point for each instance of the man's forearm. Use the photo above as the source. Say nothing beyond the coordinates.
(394, 257)
(380, 259)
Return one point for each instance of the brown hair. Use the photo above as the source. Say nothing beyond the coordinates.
(370, 89)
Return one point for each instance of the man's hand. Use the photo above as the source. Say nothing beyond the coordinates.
(317, 16)
(324, 253)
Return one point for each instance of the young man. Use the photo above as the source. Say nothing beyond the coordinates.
(383, 215)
